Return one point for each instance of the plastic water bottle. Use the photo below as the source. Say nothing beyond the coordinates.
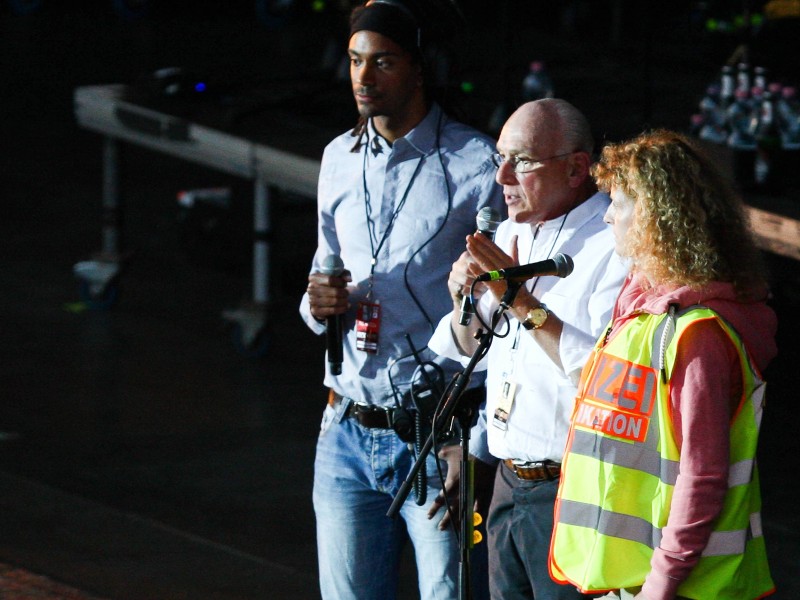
(760, 77)
(537, 83)
(756, 99)
(787, 106)
(713, 128)
(743, 77)
(787, 112)
(768, 159)
(740, 139)
(727, 87)
(738, 118)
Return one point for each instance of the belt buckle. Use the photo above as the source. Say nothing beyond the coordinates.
(528, 471)
(533, 471)
(361, 410)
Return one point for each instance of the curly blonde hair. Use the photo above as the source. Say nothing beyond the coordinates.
(689, 225)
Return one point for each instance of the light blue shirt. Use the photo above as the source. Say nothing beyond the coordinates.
(544, 393)
(422, 195)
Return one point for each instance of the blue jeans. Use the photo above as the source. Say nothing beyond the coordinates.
(357, 474)
(519, 528)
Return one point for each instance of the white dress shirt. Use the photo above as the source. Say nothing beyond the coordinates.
(538, 422)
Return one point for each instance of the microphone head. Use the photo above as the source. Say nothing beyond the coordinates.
(488, 220)
(564, 264)
(332, 265)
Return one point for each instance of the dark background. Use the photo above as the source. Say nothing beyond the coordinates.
(142, 455)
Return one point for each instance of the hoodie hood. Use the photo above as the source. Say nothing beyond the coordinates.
(756, 322)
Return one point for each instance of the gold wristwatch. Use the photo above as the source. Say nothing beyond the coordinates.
(536, 317)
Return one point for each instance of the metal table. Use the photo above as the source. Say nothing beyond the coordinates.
(105, 109)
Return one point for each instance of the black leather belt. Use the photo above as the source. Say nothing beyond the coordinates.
(546, 470)
(373, 417)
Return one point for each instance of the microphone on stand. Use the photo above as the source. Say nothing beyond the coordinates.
(487, 220)
(560, 265)
(333, 265)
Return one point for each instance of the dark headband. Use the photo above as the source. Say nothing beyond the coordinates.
(392, 20)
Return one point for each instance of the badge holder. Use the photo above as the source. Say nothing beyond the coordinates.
(368, 326)
(466, 413)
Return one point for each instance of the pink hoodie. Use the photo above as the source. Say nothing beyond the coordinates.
(706, 383)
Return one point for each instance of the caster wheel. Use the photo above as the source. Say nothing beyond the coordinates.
(105, 300)
(257, 348)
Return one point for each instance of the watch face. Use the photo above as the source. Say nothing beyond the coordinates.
(537, 316)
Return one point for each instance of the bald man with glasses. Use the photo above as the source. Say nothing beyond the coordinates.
(548, 328)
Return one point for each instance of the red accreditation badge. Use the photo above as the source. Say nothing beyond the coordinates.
(368, 326)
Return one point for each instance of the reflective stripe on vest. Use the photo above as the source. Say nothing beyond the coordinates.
(621, 437)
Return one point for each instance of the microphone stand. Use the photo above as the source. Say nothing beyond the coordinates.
(450, 403)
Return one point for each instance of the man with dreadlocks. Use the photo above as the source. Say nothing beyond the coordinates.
(396, 198)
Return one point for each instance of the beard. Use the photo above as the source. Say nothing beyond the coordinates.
(369, 109)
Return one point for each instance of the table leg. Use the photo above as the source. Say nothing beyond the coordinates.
(250, 321)
(98, 277)
(112, 206)
(261, 242)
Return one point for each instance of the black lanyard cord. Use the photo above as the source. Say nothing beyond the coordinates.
(373, 238)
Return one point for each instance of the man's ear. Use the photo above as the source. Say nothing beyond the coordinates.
(579, 167)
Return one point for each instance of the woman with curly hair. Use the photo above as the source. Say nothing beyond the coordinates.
(659, 495)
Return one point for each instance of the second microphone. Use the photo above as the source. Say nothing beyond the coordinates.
(333, 265)
(487, 220)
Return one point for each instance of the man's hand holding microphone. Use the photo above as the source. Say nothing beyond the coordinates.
(461, 275)
(328, 300)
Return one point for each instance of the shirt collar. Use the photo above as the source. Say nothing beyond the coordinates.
(423, 138)
(578, 215)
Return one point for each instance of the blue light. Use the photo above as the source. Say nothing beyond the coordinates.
(200, 87)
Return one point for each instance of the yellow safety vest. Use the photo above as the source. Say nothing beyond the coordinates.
(622, 461)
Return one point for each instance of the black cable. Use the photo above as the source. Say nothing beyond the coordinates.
(435, 233)
(480, 318)
(421, 480)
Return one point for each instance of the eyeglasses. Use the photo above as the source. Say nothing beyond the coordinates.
(523, 165)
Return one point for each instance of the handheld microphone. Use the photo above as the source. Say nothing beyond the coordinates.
(560, 265)
(333, 265)
(487, 220)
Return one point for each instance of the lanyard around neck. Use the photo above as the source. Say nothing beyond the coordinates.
(374, 243)
(535, 281)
